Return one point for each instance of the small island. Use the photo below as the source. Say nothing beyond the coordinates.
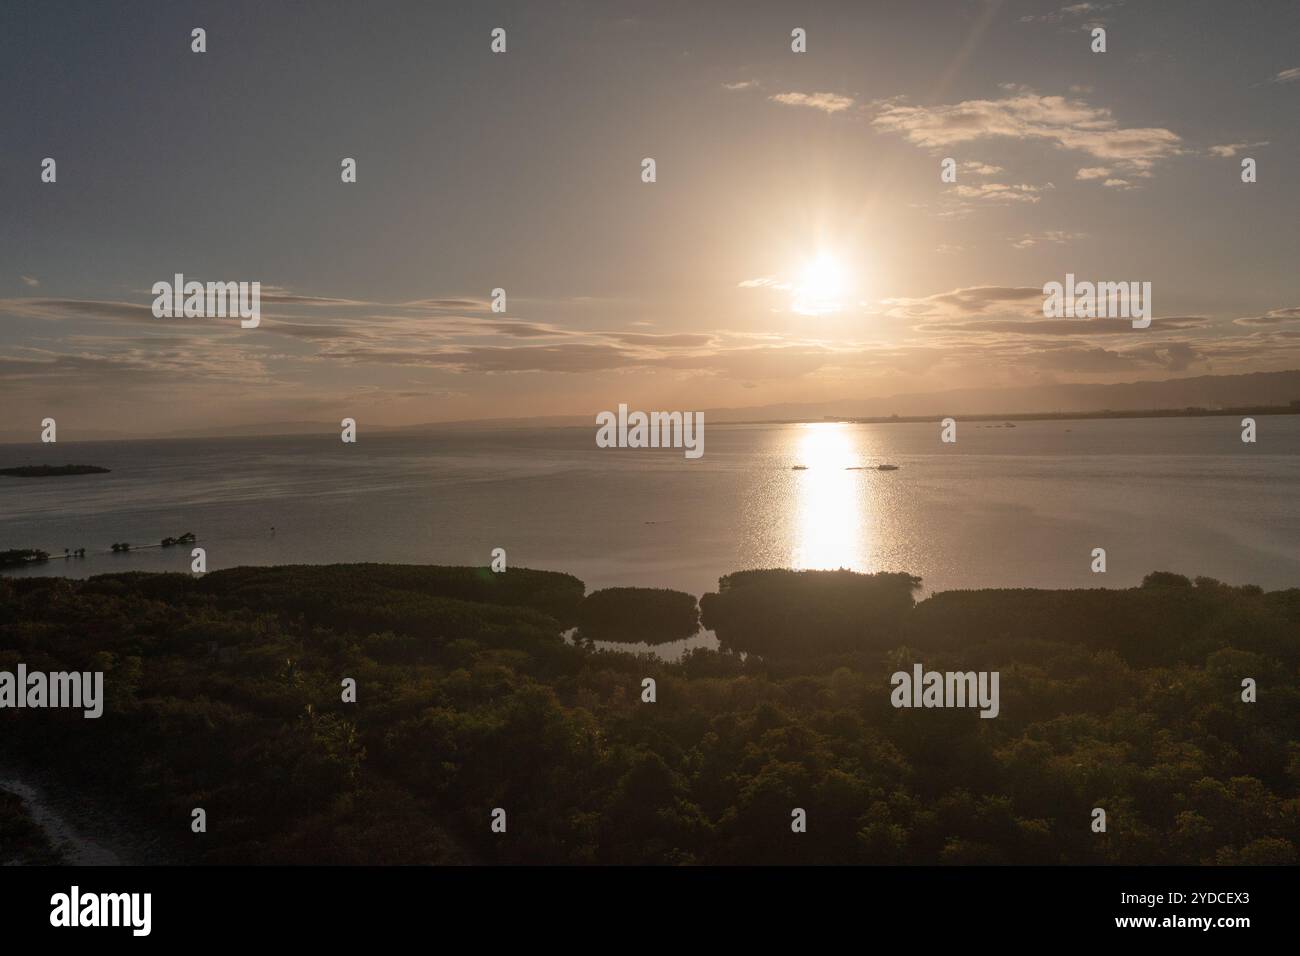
(18, 557)
(52, 471)
(638, 615)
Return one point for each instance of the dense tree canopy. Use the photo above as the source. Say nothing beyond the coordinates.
(653, 615)
(224, 691)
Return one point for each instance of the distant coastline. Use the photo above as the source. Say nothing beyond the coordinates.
(1255, 393)
(1190, 412)
(542, 424)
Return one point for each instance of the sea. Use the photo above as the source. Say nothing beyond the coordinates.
(1009, 504)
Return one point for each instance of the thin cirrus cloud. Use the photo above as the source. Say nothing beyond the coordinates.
(59, 308)
(974, 300)
(685, 340)
(1073, 12)
(999, 192)
(763, 282)
(397, 337)
(1063, 122)
(1051, 237)
(1274, 317)
(1229, 150)
(825, 102)
(1057, 326)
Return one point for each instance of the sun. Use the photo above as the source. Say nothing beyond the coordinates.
(823, 285)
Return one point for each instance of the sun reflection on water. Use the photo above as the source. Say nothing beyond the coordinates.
(833, 524)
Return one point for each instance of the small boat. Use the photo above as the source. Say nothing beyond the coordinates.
(799, 468)
(888, 467)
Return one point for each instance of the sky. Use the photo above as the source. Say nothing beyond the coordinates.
(796, 245)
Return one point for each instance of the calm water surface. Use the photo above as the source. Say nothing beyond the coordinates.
(1020, 506)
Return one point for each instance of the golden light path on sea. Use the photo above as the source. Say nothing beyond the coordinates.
(832, 527)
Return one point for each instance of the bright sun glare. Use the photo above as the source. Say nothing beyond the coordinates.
(833, 521)
(823, 286)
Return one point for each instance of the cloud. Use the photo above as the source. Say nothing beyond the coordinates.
(976, 300)
(1287, 76)
(980, 169)
(754, 362)
(1229, 150)
(277, 295)
(1118, 184)
(764, 282)
(998, 192)
(741, 85)
(1058, 326)
(30, 281)
(41, 308)
(826, 102)
(518, 330)
(313, 332)
(455, 305)
(667, 341)
(128, 367)
(1093, 172)
(973, 331)
(1027, 116)
(1176, 356)
(1073, 11)
(1056, 236)
(1275, 317)
(327, 317)
(1080, 359)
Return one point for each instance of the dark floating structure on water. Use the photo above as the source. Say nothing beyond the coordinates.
(52, 471)
(19, 557)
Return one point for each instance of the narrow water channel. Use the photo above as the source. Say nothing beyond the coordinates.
(79, 847)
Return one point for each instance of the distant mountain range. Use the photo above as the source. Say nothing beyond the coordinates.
(1205, 391)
